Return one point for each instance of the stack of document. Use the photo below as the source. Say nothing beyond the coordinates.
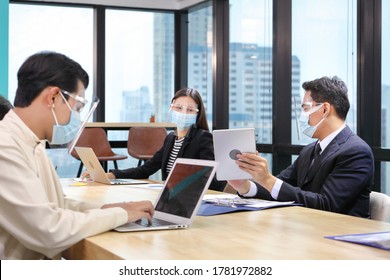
(226, 203)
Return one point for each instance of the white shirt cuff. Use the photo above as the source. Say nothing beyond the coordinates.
(252, 190)
(276, 188)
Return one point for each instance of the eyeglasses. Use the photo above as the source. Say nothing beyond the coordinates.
(308, 106)
(81, 101)
(188, 109)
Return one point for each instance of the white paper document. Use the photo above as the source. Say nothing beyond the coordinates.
(233, 200)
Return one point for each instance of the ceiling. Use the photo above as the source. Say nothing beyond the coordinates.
(152, 4)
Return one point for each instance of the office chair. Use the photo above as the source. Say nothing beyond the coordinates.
(144, 142)
(380, 206)
(96, 139)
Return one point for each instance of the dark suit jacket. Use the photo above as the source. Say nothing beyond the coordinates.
(198, 144)
(339, 181)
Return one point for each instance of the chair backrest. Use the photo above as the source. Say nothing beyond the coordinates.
(380, 206)
(95, 138)
(144, 142)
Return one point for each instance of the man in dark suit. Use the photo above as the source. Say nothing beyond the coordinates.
(334, 173)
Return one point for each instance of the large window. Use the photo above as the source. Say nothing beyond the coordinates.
(35, 28)
(200, 55)
(323, 44)
(250, 67)
(139, 65)
(385, 73)
(385, 187)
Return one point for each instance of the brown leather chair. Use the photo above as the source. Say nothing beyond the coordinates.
(96, 138)
(144, 142)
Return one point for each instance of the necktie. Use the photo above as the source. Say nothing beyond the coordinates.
(316, 153)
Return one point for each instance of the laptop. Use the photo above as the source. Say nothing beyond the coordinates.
(95, 169)
(180, 198)
(227, 144)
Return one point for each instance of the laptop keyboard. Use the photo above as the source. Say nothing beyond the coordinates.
(155, 222)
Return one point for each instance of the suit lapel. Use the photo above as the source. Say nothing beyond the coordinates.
(305, 165)
(332, 148)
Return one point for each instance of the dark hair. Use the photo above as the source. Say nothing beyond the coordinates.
(45, 69)
(5, 106)
(332, 90)
(201, 121)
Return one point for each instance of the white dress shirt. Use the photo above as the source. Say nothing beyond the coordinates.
(36, 220)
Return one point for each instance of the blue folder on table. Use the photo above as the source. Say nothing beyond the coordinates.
(228, 204)
(379, 240)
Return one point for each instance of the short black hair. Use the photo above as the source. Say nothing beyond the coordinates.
(5, 106)
(332, 90)
(45, 69)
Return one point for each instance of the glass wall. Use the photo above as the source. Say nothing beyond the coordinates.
(385, 187)
(139, 65)
(35, 28)
(250, 67)
(323, 44)
(140, 58)
(200, 49)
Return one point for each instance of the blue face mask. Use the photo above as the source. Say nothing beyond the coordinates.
(63, 134)
(182, 121)
(307, 129)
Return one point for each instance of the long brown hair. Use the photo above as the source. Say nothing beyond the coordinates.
(201, 121)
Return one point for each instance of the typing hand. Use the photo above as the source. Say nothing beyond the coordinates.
(135, 210)
(139, 210)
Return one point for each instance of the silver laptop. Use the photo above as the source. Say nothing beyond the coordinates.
(180, 198)
(95, 169)
(227, 144)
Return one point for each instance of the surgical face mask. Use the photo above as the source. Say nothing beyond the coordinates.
(63, 134)
(182, 121)
(306, 128)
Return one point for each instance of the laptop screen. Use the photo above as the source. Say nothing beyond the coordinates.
(183, 189)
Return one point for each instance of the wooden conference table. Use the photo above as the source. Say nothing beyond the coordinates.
(280, 233)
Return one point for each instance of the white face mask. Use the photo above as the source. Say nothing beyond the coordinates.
(306, 128)
(182, 121)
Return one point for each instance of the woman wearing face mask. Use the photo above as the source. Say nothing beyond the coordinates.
(192, 139)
